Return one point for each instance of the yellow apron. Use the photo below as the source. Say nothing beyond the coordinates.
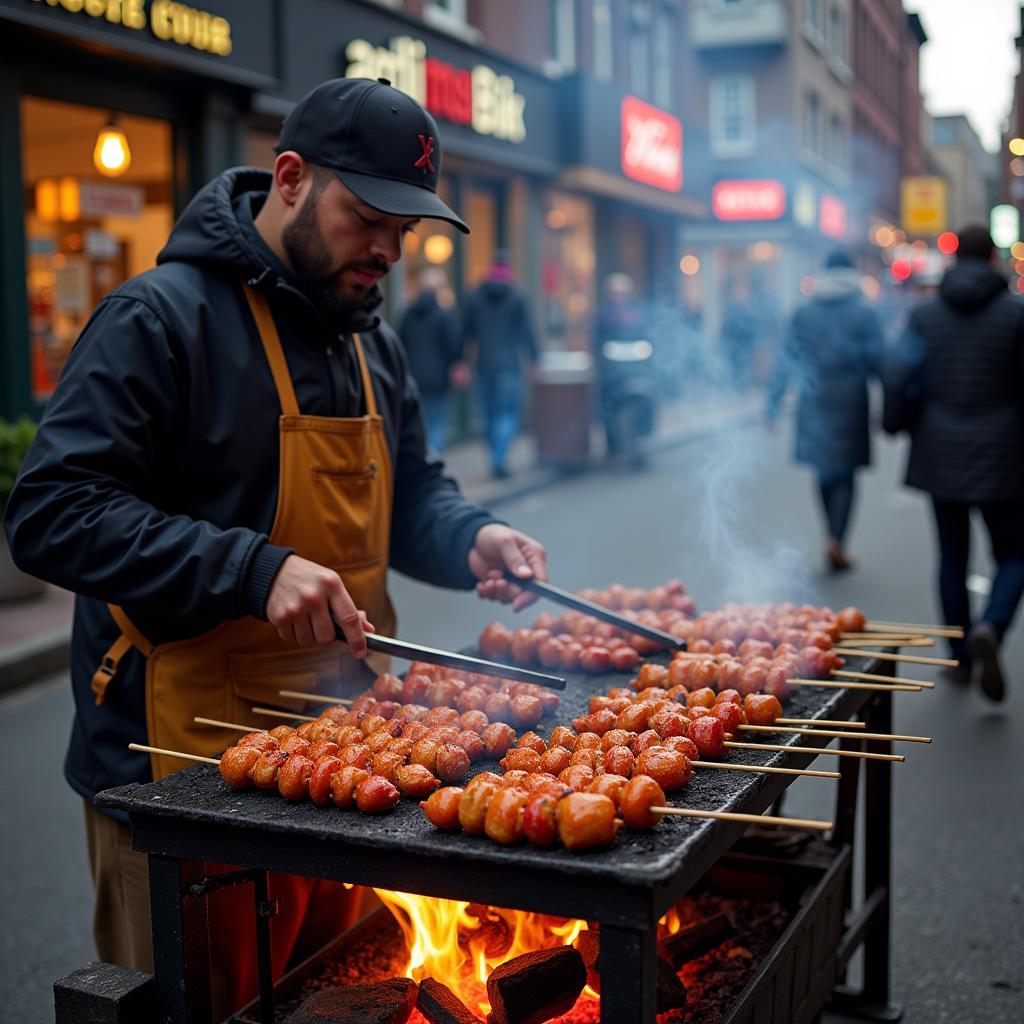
(334, 508)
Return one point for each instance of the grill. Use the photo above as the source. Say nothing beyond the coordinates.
(192, 816)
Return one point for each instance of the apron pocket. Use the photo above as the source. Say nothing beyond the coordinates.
(257, 679)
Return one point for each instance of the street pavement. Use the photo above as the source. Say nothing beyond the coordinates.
(728, 514)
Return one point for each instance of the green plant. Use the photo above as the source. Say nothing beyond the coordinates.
(14, 441)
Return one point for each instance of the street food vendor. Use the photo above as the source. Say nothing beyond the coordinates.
(233, 458)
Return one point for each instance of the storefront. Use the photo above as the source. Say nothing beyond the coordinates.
(116, 111)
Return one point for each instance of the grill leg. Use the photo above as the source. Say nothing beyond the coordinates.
(628, 967)
(181, 951)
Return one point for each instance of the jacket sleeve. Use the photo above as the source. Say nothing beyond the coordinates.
(433, 527)
(903, 381)
(89, 510)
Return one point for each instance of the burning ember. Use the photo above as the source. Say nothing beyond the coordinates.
(459, 943)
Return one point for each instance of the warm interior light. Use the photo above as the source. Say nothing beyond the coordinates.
(689, 265)
(47, 208)
(1016, 250)
(111, 154)
(438, 249)
(70, 199)
(1017, 146)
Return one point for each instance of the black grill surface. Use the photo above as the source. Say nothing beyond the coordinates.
(194, 814)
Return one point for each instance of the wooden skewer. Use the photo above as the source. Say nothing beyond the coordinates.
(821, 721)
(915, 659)
(840, 684)
(863, 754)
(756, 819)
(283, 714)
(881, 636)
(956, 632)
(838, 732)
(227, 725)
(315, 698)
(765, 769)
(172, 753)
(875, 641)
(876, 678)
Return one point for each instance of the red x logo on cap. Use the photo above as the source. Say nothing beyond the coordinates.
(424, 162)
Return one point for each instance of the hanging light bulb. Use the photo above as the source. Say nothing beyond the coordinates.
(111, 154)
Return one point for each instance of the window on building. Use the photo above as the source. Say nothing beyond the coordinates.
(815, 15)
(640, 47)
(731, 112)
(812, 122)
(837, 33)
(563, 33)
(604, 59)
(837, 142)
(447, 15)
(665, 28)
(454, 9)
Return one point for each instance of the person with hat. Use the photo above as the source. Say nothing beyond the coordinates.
(232, 460)
(833, 348)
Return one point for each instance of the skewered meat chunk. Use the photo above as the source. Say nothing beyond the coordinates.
(761, 708)
(637, 798)
(473, 805)
(264, 772)
(344, 783)
(521, 758)
(586, 820)
(499, 738)
(540, 818)
(452, 763)
(503, 821)
(293, 778)
(320, 780)
(555, 760)
(261, 741)
(376, 795)
(442, 808)
(413, 780)
(670, 769)
(237, 764)
(708, 736)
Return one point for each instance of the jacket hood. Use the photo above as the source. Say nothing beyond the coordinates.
(216, 231)
(971, 284)
(837, 284)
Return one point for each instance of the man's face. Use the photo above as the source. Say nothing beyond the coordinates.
(339, 247)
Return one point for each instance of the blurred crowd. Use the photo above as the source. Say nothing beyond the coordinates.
(946, 349)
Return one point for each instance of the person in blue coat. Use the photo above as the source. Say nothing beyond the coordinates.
(833, 348)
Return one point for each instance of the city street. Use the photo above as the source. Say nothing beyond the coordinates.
(733, 518)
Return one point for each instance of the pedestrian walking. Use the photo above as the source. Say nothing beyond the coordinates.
(233, 458)
(956, 384)
(738, 337)
(430, 336)
(498, 338)
(833, 348)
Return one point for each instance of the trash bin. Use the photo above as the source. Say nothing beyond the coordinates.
(561, 408)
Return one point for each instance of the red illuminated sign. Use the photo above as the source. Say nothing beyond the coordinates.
(652, 145)
(749, 200)
(832, 216)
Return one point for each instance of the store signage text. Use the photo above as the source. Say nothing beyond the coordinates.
(480, 98)
(168, 20)
(652, 145)
(749, 200)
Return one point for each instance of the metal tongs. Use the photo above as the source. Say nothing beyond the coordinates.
(570, 600)
(417, 652)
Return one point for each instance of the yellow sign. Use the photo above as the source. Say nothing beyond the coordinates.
(923, 205)
(168, 20)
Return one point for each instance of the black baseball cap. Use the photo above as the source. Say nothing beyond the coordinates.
(379, 141)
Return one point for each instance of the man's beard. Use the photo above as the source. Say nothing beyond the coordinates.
(321, 282)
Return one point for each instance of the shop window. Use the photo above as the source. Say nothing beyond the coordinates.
(731, 99)
(567, 271)
(429, 247)
(480, 210)
(86, 232)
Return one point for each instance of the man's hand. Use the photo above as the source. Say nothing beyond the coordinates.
(498, 548)
(303, 599)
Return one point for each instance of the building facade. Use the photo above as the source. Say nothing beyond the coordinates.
(967, 167)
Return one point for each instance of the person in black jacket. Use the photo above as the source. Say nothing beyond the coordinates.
(834, 347)
(233, 458)
(430, 336)
(498, 331)
(956, 383)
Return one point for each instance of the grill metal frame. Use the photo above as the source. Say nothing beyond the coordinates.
(192, 816)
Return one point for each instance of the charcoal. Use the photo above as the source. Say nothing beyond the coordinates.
(385, 1002)
(100, 993)
(535, 987)
(589, 945)
(693, 940)
(671, 991)
(440, 1005)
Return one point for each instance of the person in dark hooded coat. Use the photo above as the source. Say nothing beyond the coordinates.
(497, 332)
(833, 348)
(956, 384)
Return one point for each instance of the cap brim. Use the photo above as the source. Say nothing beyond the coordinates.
(399, 198)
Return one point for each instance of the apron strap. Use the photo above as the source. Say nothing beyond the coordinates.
(130, 637)
(364, 369)
(275, 353)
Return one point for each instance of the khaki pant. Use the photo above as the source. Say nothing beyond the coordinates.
(311, 913)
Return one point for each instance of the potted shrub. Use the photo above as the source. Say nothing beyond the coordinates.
(14, 441)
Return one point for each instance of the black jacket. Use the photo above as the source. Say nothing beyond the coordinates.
(833, 348)
(153, 480)
(960, 363)
(497, 318)
(430, 335)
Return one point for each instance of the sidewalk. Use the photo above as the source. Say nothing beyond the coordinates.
(35, 634)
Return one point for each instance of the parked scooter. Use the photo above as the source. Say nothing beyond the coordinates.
(629, 396)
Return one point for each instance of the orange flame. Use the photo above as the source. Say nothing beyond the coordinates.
(459, 943)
